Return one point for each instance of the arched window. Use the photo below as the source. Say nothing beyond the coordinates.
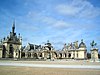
(65, 55)
(29, 55)
(69, 55)
(3, 52)
(40, 55)
(55, 54)
(60, 55)
(23, 54)
(35, 55)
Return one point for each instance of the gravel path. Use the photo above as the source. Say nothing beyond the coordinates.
(50, 65)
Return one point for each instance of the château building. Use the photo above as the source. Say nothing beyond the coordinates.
(11, 47)
(47, 51)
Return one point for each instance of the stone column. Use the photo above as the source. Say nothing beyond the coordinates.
(34, 47)
(14, 54)
(20, 53)
(25, 54)
(37, 55)
(67, 54)
(43, 55)
(72, 54)
(62, 55)
(31, 55)
(76, 52)
(52, 56)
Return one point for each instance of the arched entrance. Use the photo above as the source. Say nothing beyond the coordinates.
(65, 55)
(23, 55)
(11, 51)
(69, 55)
(3, 52)
(40, 54)
(35, 55)
(29, 55)
(60, 55)
(55, 54)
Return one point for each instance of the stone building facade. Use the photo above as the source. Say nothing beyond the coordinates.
(10, 46)
(47, 51)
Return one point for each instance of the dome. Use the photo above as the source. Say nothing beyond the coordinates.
(82, 44)
(48, 43)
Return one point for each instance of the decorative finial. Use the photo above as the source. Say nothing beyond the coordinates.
(81, 40)
(93, 44)
(19, 34)
(65, 44)
(4, 38)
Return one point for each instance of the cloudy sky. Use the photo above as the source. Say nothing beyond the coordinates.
(59, 21)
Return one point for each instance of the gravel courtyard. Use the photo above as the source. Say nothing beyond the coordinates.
(9, 70)
(12, 68)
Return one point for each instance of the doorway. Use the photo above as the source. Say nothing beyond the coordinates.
(11, 51)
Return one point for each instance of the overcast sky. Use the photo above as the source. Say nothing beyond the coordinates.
(59, 21)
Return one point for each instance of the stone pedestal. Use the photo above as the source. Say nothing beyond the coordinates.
(94, 54)
(31, 55)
